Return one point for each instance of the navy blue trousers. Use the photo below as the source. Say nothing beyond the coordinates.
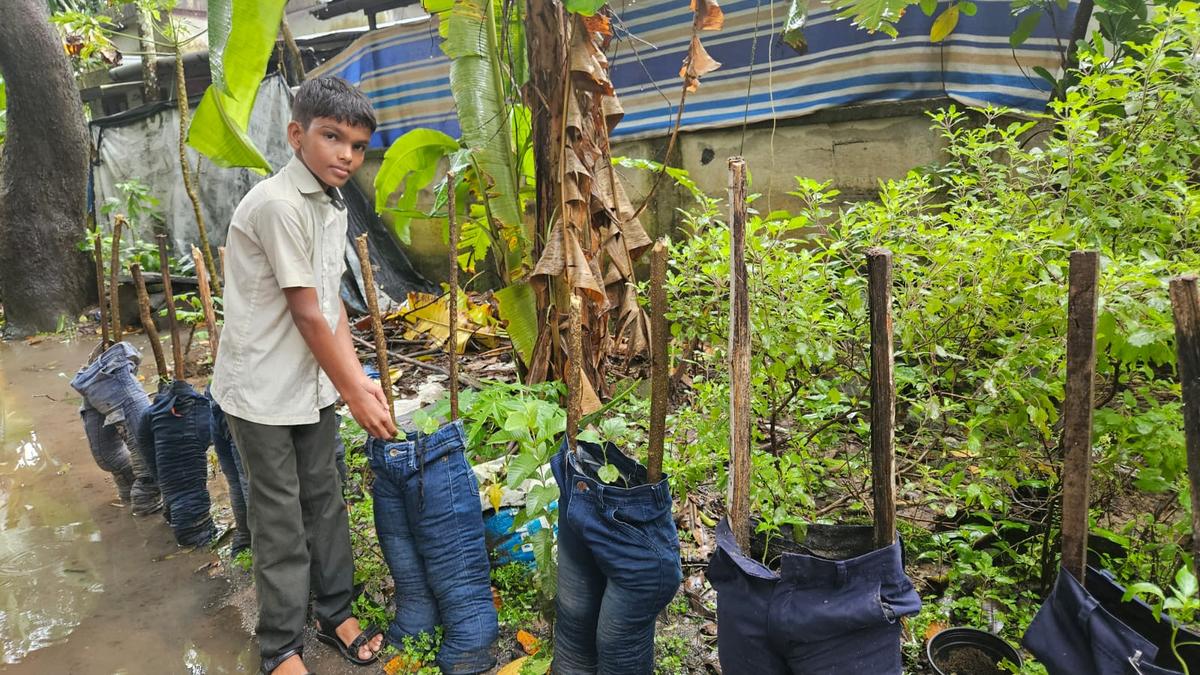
(815, 615)
(1093, 631)
(235, 475)
(430, 529)
(618, 564)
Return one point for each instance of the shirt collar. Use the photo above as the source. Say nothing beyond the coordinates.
(304, 180)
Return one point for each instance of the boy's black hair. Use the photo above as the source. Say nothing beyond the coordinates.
(335, 98)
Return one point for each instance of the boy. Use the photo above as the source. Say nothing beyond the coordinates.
(285, 357)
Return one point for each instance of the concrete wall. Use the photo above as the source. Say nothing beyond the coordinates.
(854, 147)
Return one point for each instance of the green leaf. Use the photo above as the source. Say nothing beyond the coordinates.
(584, 7)
(608, 473)
(1185, 582)
(241, 35)
(1025, 27)
(944, 25)
(967, 8)
(793, 26)
(872, 15)
(518, 306)
(480, 95)
(520, 468)
(929, 7)
(408, 166)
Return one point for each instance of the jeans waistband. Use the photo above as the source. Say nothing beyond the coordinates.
(417, 446)
(657, 495)
(880, 565)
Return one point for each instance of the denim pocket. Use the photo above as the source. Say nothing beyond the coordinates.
(820, 613)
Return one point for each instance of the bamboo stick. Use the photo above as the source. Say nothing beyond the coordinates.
(1077, 408)
(114, 295)
(739, 360)
(210, 316)
(160, 361)
(659, 339)
(176, 345)
(98, 242)
(1185, 300)
(883, 396)
(452, 224)
(381, 353)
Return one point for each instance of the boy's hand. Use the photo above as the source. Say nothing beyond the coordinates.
(369, 408)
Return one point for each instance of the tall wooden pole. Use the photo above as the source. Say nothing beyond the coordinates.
(98, 242)
(659, 339)
(172, 320)
(189, 179)
(452, 302)
(739, 359)
(114, 295)
(160, 361)
(1185, 300)
(210, 315)
(1077, 408)
(381, 353)
(883, 396)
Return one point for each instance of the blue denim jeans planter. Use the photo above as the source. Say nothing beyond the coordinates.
(235, 476)
(109, 385)
(431, 531)
(109, 451)
(618, 564)
(815, 615)
(1093, 631)
(180, 417)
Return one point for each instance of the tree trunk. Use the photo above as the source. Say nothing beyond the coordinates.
(149, 56)
(44, 277)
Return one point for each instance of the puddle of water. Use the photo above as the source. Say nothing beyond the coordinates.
(49, 546)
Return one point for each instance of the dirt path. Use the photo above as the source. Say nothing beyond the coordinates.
(84, 586)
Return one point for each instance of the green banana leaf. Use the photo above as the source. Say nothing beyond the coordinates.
(409, 165)
(479, 88)
(241, 34)
(518, 306)
(3, 111)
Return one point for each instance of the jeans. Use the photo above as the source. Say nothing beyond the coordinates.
(180, 418)
(430, 528)
(231, 466)
(301, 532)
(108, 449)
(109, 385)
(1093, 631)
(618, 564)
(815, 615)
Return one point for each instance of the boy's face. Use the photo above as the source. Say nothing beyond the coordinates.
(331, 150)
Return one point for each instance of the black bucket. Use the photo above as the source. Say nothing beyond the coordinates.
(967, 651)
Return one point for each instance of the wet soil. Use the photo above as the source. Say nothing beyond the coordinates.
(969, 661)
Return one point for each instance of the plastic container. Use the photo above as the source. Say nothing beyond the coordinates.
(969, 651)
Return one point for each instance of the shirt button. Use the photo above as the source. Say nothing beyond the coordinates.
(581, 486)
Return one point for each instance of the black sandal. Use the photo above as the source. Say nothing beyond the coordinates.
(350, 652)
(269, 665)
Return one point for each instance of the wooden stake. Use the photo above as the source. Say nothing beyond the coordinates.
(883, 396)
(210, 316)
(114, 295)
(160, 361)
(164, 262)
(1077, 408)
(659, 339)
(1185, 300)
(381, 354)
(98, 242)
(574, 371)
(739, 360)
(452, 304)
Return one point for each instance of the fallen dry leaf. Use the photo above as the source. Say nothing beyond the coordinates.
(529, 643)
(513, 668)
(934, 628)
(402, 664)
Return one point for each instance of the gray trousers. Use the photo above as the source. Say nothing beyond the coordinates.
(299, 526)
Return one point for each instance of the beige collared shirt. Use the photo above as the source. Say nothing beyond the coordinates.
(285, 233)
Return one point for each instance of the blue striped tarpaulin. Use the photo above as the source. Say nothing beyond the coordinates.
(406, 75)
